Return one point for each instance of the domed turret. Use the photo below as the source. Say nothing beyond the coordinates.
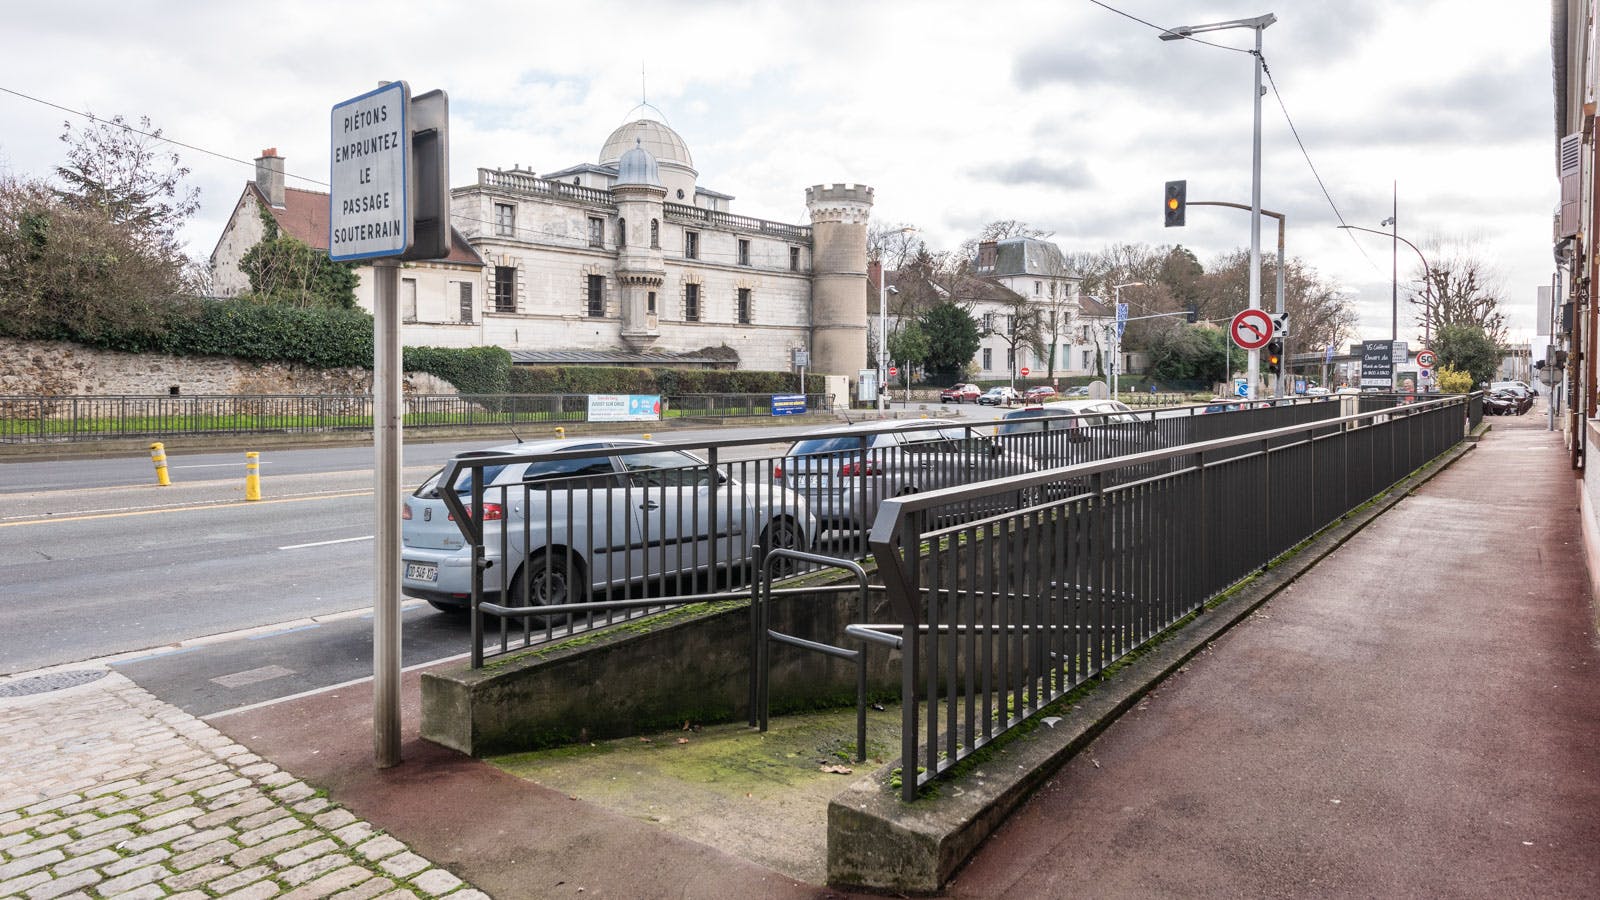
(638, 166)
(674, 166)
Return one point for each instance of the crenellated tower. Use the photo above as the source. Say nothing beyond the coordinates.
(839, 216)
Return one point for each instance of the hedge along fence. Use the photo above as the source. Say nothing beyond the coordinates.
(671, 382)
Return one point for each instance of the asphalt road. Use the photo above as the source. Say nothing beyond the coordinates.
(213, 601)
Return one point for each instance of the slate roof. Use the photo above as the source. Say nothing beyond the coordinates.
(1028, 256)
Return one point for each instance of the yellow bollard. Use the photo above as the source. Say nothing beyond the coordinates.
(158, 455)
(252, 475)
(561, 433)
(645, 436)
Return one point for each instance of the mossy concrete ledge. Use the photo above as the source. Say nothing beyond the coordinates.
(877, 841)
(690, 664)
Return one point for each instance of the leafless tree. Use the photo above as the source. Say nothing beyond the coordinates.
(1460, 288)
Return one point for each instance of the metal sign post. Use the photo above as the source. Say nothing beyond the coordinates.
(389, 201)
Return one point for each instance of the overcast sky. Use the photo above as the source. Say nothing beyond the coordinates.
(1059, 113)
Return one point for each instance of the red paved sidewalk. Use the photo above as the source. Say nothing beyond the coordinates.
(1419, 716)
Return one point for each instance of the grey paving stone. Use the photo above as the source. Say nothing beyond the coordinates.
(198, 876)
(95, 842)
(380, 847)
(66, 884)
(299, 855)
(256, 891)
(238, 879)
(261, 818)
(201, 838)
(170, 818)
(200, 855)
(60, 825)
(252, 855)
(289, 793)
(403, 865)
(330, 884)
(38, 845)
(435, 882)
(86, 861)
(15, 886)
(333, 819)
(237, 811)
(306, 871)
(268, 831)
(366, 890)
(126, 882)
(312, 805)
(148, 857)
(354, 833)
(157, 838)
(29, 863)
(99, 825)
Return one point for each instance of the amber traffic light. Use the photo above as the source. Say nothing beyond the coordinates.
(1177, 196)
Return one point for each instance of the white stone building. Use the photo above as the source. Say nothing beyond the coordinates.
(627, 259)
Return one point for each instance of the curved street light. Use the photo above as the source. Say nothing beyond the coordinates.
(1427, 283)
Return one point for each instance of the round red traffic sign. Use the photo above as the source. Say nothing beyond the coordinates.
(893, 371)
(1426, 359)
(1024, 371)
(1251, 329)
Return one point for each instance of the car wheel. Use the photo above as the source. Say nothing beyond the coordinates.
(550, 583)
(784, 534)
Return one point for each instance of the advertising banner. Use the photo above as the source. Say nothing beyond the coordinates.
(1377, 364)
(624, 407)
(788, 404)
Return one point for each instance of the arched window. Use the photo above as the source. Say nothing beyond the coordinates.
(655, 234)
(622, 232)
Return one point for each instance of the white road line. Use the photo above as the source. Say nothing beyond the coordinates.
(264, 462)
(224, 713)
(326, 543)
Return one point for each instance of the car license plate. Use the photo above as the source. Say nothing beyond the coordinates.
(422, 572)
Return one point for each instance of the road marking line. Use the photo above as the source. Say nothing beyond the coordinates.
(290, 630)
(218, 505)
(264, 462)
(326, 543)
(250, 707)
(252, 676)
(161, 507)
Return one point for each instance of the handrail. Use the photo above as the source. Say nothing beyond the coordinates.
(761, 668)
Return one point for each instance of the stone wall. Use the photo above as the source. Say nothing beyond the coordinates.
(61, 369)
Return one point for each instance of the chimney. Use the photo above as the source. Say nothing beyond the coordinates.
(269, 176)
(875, 274)
(986, 257)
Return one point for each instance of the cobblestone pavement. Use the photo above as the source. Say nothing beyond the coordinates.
(106, 791)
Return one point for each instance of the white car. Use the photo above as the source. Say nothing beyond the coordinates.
(632, 515)
(1000, 396)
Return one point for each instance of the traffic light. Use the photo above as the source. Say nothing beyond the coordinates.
(1275, 356)
(1194, 314)
(1177, 197)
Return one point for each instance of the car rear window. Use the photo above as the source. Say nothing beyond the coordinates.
(825, 446)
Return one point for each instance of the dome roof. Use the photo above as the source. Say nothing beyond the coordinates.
(637, 166)
(657, 137)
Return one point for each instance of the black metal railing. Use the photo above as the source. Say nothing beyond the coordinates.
(612, 529)
(36, 419)
(998, 615)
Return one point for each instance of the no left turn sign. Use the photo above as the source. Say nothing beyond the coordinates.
(1251, 329)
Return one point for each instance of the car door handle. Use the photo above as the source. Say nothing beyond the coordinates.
(649, 504)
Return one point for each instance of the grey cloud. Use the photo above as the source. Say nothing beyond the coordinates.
(1036, 171)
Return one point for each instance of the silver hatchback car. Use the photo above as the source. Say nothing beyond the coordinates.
(632, 516)
(844, 472)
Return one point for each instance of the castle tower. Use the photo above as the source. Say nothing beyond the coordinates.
(638, 193)
(839, 215)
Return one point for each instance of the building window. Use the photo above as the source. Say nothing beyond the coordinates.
(1052, 289)
(988, 323)
(655, 234)
(1088, 359)
(1011, 358)
(988, 359)
(691, 303)
(622, 232)
(505, 289)
(408, 299)
(744, 252)
(597, 296)
(466, 303)
(505, 219)
(597, 232)
(650, 303)
(691, 245)
(1038, 288)
(794, 259)
(744, 306)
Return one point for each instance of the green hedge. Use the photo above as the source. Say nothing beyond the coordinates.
(672, 382)
(473, 370)
(322, 338)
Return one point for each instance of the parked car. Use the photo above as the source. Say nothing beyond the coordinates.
(846, 471)
(997, 396)
(1515, 387)
(961, 393)
(1079, 391)
(1039, 394)
(559, 530)
(1098, 429)
(1225, 404)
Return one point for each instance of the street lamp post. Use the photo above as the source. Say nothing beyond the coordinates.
(1258, 24)
(883, 335)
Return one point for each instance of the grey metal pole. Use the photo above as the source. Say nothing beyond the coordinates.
(386, 438)
(1254, 370)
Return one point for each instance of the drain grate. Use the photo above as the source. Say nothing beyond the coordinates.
(43, 684)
